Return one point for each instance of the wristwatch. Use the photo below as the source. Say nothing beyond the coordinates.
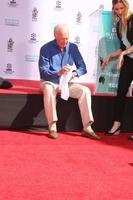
(74, 73)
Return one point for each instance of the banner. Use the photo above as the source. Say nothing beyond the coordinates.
(26, 25)
(107, 78)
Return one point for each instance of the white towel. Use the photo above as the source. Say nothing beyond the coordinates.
(63, 85)
(64, 80)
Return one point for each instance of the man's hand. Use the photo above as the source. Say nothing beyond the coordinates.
(64, 70)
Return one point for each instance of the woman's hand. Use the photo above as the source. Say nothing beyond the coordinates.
(111, 55)
(105, 61)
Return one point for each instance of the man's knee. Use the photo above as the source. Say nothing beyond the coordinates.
(86, 90)
(48, 89)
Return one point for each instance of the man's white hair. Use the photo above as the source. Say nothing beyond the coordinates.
(60, 28)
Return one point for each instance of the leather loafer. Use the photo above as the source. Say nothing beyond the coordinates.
(90, 135)
(53, 134)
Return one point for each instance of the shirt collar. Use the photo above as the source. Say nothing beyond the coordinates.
(65, 48)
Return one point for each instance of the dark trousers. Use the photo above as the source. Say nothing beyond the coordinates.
(125, 79)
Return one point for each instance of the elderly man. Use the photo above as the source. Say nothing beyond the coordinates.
(57, 59)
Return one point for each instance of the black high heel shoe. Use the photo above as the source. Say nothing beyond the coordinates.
(116, 132)
(130, 137)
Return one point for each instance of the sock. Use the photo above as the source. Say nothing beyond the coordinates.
(53, 127)
(88, 128)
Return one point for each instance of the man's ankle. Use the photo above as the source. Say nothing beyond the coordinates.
(53, 127)
(88, 128)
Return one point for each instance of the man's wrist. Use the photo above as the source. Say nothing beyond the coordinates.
(74, 73)
(58, 73)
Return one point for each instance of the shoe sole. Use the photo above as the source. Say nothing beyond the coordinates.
(88, 135)
(117, 133)
(53, 136)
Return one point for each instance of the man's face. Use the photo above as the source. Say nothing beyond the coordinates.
(62, 39)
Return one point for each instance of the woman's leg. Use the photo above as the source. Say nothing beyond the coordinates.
(125, 79)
